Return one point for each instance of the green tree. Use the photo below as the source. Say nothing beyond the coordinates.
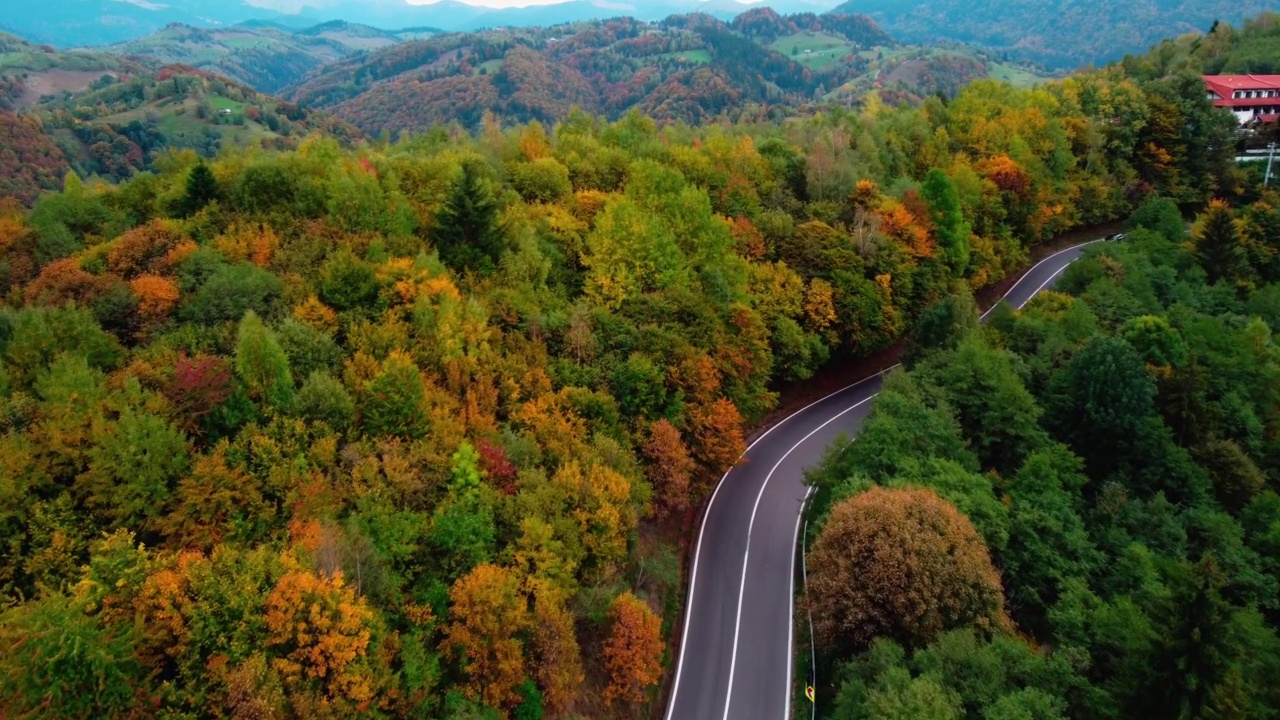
(261, 363)
(902, 697)
(543, 180)
(323, 398)
(1048, 543)
(393, 399)
(466, 233)
(640, 386)
(309, 350)
(1156, 341)
(1161, 215)
(941, 327)
(1195, 651)
(62, 662)
(1218, 246)
(1101, 401)
(229, 291)
(347, 283)
(134, 467)
(202, 189)
(998, 415)
(948, 221)
(39, 334)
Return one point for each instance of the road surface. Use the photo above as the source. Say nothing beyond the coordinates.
(735, 650)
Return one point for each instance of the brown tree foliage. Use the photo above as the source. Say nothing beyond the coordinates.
(212, 500)
(903, 564)
(63, 281)
(633, 652)
(30, 162)
(670, 468)
(488, 612)
(557, 661)
(144, 249)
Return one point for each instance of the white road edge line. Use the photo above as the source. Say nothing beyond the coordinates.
(791, 582)
(791, 601)
(697, 552)
(804, 568)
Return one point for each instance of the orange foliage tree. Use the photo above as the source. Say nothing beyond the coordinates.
(322, 629)
(717, 436)
(64, 280)
(144, 249)
(670, 468)
(557, 661)
(633, 652)
(156, 295)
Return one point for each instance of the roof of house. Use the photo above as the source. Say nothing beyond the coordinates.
(1224, 85)
(1246, 102)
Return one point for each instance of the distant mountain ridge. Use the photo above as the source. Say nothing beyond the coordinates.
(72, 23)
(1057, 33)
(265, 55)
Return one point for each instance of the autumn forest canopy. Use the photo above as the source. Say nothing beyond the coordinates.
(419, 428)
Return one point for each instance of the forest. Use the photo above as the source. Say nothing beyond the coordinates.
(1072, 511)
(1057, 33)
(420, 428)
(687, 68)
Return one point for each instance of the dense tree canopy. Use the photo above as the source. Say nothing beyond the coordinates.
(413, 429)
(1129, 501)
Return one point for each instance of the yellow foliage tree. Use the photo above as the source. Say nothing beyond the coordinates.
(322, 629)
(488, 611)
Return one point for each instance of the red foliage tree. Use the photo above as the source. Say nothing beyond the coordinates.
(199, 386)
(498, 468)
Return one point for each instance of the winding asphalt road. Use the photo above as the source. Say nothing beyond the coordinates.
(736, 648)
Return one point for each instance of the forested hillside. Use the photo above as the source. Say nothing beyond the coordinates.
(120, 126)
(416, 428)
(264, 57)
(1061, 33)
(1113, 447)
(689, 68)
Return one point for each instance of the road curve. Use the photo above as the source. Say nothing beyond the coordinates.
(735, 650)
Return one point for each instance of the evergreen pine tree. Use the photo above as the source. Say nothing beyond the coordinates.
(1218, 245)
(466, 233)
(1195, 656)
(202, 189)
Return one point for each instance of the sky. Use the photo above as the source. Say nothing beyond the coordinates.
(514, 3)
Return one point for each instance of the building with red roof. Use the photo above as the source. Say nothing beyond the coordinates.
(1249, 97)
